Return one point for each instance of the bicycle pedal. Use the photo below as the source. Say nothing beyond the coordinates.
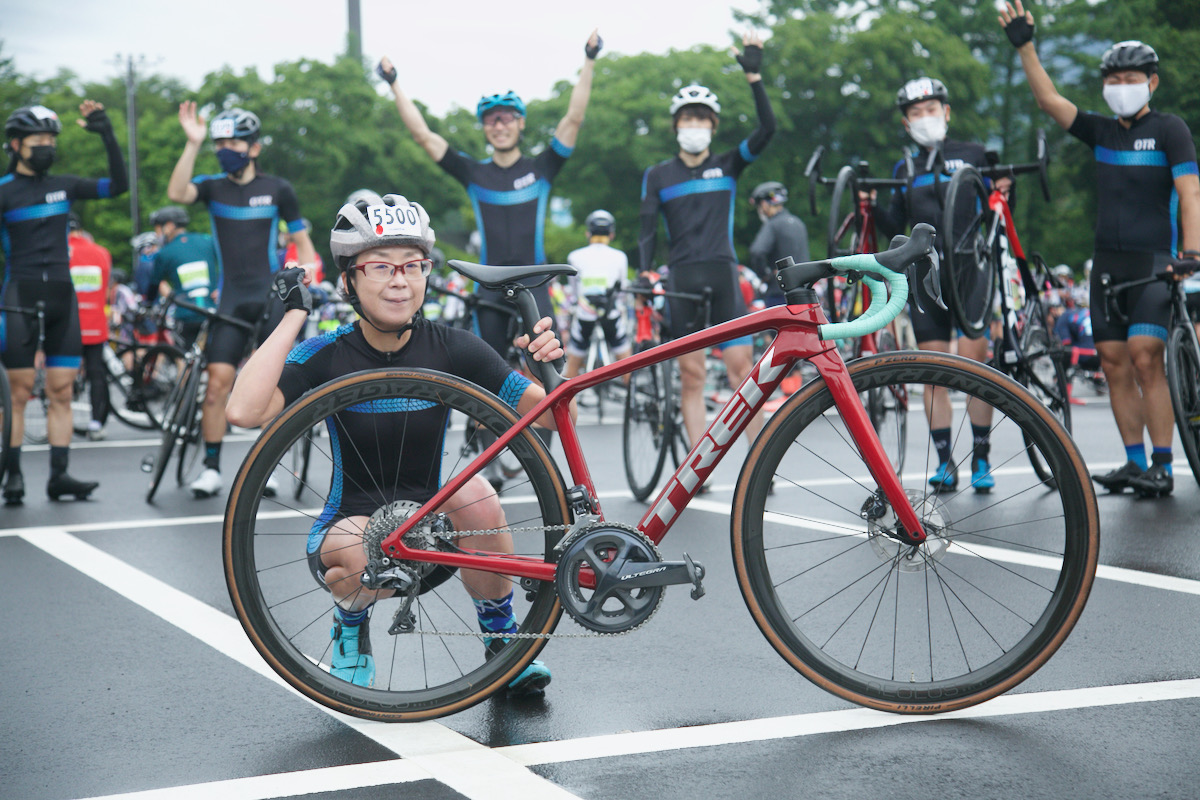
(696, 573)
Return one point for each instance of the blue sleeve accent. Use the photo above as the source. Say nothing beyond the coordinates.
(295, 226)
(561, 148)
(104, 188)
(744, 151)
(203, 178)
(1185, 168)
(514, 386)
(645, 178)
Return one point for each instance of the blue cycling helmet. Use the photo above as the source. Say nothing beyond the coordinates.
(507, 100)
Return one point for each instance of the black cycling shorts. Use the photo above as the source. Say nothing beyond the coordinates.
(687, 316)
(931, 322)
(1147, 309)
(228, 344)
(19, 332)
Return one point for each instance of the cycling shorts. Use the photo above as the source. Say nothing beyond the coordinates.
(615, 333)
(931, 322)
(1147, 308)
(499, 328)
(228, 344)
(19, 332)
(687, 316)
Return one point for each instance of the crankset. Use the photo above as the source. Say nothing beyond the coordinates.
(611, 578)
(883, 525)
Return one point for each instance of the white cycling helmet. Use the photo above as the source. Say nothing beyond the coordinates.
(362, 225)
(694, 95)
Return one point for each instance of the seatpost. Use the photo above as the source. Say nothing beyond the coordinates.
(548, 372)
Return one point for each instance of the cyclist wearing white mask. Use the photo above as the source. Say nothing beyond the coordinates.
(1148, 211)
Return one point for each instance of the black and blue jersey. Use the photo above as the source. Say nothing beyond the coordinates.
(697, 203)
(1136, 168)
(34, 214)
(245, 225)
(510, 203)
(926, 200)
(414, 431)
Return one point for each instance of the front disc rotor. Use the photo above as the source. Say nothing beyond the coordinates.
(913, 558)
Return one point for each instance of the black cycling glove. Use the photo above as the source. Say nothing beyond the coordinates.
(289, 285)
(389, 76)
(590, 51)
(98, 122)
(1020, 31)
(751, 59)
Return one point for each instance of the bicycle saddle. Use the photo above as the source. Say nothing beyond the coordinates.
(497, 277)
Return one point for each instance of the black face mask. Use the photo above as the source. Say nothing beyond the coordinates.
(41, 156)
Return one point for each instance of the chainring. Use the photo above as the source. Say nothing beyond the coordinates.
(430, 534)
(602, 549)
(906, 557)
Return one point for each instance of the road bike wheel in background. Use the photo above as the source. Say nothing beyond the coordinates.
(969, 274)
(179, 411)
(845, 221)
(646, 429)
(436, 664)
(301, 458)
(36, 431)
(1183, 379)
(191, 444)
(137, 395)
(887, 406)
(964, 616)
(1041, 371)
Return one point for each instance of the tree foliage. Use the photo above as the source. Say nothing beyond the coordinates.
(832, 70)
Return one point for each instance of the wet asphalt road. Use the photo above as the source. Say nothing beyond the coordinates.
(125, 674)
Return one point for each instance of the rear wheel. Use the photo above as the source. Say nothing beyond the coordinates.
(1042, 373)
(437, 663)
(137, 395)
(969, 275)
(1183, 378)
(964, 616)
(843, 236)
(178, 412)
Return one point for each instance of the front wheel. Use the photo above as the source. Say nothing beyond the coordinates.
(1183, 378)
(430, 657)
(968, 614)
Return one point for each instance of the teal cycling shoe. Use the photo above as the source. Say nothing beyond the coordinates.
(533, 680)
(981, 476)
(352, 660)
(946, 477)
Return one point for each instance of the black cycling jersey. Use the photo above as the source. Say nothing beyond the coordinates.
(245, 224)
(510, 203)
(696, 203)
(1136, 168)
(414, 430)
(922, 204)
(33, 216)
(781, 235)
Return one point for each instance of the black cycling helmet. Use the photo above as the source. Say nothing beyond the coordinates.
(773, 192)
(1129, 55)
(600, 223)
(235, 123)
(175, 214)
(920, 89)
(28, 120)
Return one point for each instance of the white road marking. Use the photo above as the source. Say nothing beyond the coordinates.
(451, 758)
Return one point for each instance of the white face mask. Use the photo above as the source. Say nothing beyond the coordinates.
(694, 140)
(927, 131)
(1127, 99)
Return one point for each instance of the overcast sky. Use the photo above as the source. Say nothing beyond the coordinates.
(448, 52)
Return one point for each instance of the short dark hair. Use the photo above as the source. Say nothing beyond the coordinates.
(696, 111)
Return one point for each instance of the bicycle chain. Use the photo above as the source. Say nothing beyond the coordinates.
(482, 635)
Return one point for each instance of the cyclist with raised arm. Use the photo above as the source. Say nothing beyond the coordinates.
(382, 252)
(509, 191)
(601, 268)
(34, 209)
(246, 206)
(1145, 170)
(924, 105)
(694, 193)
(187, 264)
(782, 234)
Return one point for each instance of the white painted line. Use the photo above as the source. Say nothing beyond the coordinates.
(466, 766)
(287, 784)
(727, 733)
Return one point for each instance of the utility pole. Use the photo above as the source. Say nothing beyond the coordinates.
(354, 33)
(135, 214)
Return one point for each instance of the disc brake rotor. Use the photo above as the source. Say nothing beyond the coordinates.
(909, 558)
